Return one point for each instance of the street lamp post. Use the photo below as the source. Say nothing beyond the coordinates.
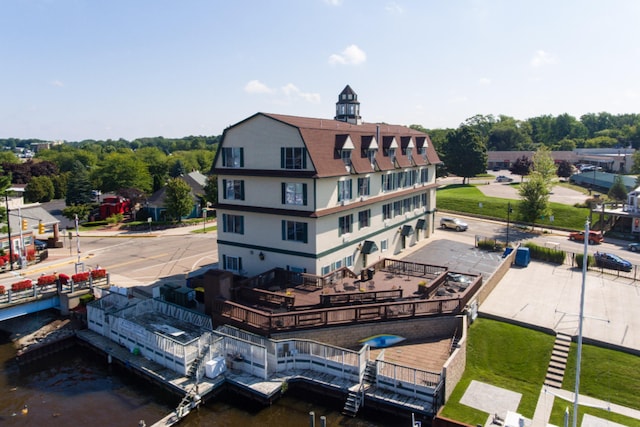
(6, 201)
(508, 220)
(204, 222)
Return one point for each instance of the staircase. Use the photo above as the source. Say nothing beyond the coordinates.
(370, 373)
(558, 362)
(352, 404)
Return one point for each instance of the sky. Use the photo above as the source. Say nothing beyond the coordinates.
(97, 69)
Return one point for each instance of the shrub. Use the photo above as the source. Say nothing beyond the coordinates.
(99, 273)
(49, 279)
(546, 254)
(590, 260)
(490, 245)
(80, 277)
(21, 285)
(85, 299)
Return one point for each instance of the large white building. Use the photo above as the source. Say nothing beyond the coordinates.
(314, 195)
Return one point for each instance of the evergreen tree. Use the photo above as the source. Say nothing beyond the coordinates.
(617, 191)
(79, 186)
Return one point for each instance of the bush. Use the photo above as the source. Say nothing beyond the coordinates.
(22, 285)
(546, 254)
(47, 280)
(1, 290)
(85, 299)
(99, 273)
(490, 245)
(590, 260)
(80, 277)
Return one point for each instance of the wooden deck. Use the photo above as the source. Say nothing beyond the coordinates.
(429, 355)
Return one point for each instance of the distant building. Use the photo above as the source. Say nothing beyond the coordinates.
(609, 159)
(156, 208)
(313, 195)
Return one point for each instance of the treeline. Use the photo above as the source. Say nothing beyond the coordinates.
(557, 133)
(73, 170)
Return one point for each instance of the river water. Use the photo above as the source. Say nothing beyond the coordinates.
(78, 388)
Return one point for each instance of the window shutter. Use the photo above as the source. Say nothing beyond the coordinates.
(350, 189)
(224, 188)
(304, 194)
(242, 190)
(305, 231)
(224, 222)
(284, 230)
(224, 262)
(282, 157)
(224, 157)
(283, 190)
(241, 157)
(304, 158)
(239, 264)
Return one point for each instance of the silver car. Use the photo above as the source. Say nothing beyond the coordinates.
(453, 223)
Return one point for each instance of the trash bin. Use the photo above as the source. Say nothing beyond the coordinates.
(370, 273)
(523, 257)
(507, 252)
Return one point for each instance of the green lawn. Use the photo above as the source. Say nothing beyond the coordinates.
(469, 199)
(516, 358)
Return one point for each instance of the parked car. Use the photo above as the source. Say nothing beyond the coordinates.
(453, 223)
(40, 245)
(503, 178)
(594, 237)
(612, 261)
(634, 247)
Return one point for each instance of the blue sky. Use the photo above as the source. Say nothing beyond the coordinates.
(98, 69)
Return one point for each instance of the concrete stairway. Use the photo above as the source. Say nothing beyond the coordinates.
(558, 362)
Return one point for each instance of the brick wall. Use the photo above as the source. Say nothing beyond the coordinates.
(454, 368)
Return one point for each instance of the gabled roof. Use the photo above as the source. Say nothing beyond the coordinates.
(320, 136)
(197, 190)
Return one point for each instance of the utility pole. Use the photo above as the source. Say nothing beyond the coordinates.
(6, 201)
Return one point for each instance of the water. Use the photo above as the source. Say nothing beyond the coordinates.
(77, 387)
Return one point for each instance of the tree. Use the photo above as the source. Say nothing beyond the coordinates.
(122, 170)
(534, 194)
(5, 182)
(178, 200)
(565, 169)
(544, 165)
(464, 153)
(211, 189)
(82, 211)
(522, 166)
(79, 186)
(618, 191)
(39, 189)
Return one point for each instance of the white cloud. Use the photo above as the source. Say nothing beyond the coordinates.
(542, 58)
(394, 7)
(57, 83)
(484, 81)
(352, 55)
(333, 2)
(256, 86)
(292, 91)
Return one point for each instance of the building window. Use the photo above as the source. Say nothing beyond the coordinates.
(423, 199)
(294, 193)
(384, 245)
(392, 155)
(293, 158)
(344, 190)
(424, 175)
(233, 189)
(410, 153)
(402, 179)
(363, 186)
(371, 155)
(387, 211)
(232, 263)
(295, 231)
(364, 218)
(346, 157)
(416, 202)
(345, 224)
(423, 152)
(348, 261)
(232, 157)
(325, 270)
(406, 205)
(389, 182)
(233, 223)
(397, 208)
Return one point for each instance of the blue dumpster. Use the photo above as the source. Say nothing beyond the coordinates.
(507, 252)
(523, 257)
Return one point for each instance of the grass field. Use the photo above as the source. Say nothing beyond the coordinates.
(469, 199)
(516, 358)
